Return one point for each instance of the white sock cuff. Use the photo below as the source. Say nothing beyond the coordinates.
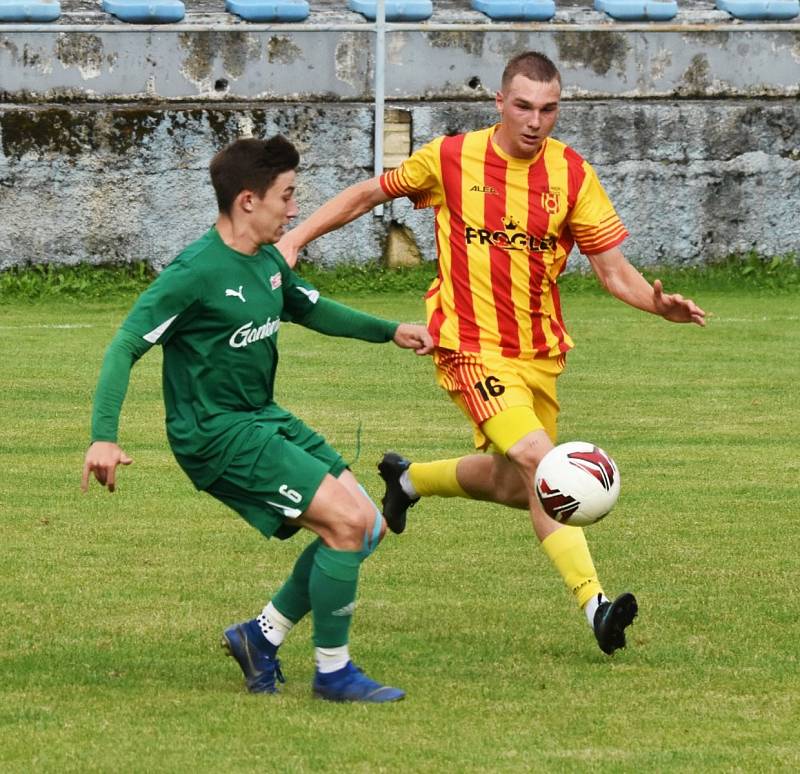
(273, 614)
(590, 608)
(274, 625)
(407, 486)
(332, 659)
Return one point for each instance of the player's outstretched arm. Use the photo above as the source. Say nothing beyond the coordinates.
(335, 213)
(412, 336)
(102, 459)
(624, 282)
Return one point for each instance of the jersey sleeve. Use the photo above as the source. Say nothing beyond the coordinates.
(418, 177)
(112, 384)
(169, 301)
(302, 304)
(335, 319)
(593, 221)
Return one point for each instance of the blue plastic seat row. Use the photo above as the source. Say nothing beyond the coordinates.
(751, 10)
(638, 10)
(170, 11)
(29, 10)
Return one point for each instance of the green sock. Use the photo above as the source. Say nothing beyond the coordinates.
(292, 599)
(332, 588)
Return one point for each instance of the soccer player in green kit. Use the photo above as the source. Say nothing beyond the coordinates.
(216, 311)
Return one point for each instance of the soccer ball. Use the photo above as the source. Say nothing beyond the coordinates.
(577, 483)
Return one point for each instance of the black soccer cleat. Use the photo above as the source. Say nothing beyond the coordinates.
(611, 619)
(395, 501)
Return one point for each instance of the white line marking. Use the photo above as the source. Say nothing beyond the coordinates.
(711, 319)
(57, 326)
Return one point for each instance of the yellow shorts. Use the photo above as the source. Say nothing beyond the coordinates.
(487, 385)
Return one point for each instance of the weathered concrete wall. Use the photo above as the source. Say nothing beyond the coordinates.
(106, 130)
(692, 180)
(300, 62)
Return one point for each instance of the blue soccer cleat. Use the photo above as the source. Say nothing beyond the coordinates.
(611, 619)
(350, 684)
(255, 655)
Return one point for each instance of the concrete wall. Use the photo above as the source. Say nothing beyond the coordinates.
(105, 136)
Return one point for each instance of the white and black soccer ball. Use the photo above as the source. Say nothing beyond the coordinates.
(577, 483)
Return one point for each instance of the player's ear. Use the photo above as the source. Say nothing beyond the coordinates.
(498, 101)
(244, 200)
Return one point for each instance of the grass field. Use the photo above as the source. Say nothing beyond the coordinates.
(112, 605)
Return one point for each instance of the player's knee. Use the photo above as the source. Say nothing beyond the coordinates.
(371, 521)
(347, 529)
(354, 527)
(527, 453)
(526, 456)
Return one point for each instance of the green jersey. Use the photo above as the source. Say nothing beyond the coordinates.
(216, 313)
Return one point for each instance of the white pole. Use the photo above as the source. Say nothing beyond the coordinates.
(380, 75)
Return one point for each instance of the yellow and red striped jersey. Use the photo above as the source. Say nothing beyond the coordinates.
(504, 228)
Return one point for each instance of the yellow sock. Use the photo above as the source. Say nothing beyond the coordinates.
(436, 478)
(569, 552)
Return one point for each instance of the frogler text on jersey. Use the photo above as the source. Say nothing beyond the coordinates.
(516, 240)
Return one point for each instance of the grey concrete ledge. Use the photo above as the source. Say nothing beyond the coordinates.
(337, 63)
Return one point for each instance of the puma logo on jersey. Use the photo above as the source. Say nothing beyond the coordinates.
(237, 293)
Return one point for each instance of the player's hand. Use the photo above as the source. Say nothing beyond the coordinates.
(675, 308)
(102, 459)
(288, 250)
(416, 337)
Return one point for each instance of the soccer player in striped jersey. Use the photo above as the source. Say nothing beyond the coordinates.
(216, 311)
(510, 202)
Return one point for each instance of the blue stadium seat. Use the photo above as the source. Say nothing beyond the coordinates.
(269, 10)
(146, 11)
(516, 10)
(760, 9)
(29, 10)
(396, 10)
(638, 10)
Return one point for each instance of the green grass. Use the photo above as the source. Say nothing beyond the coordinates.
(736, 273)
(112, 605)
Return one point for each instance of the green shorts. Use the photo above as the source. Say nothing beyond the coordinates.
(276, 474)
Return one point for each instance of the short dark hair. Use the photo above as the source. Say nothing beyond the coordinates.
(250, 164)
(533, 65)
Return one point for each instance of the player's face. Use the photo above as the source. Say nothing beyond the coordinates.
(528, 112)
(276, 208)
